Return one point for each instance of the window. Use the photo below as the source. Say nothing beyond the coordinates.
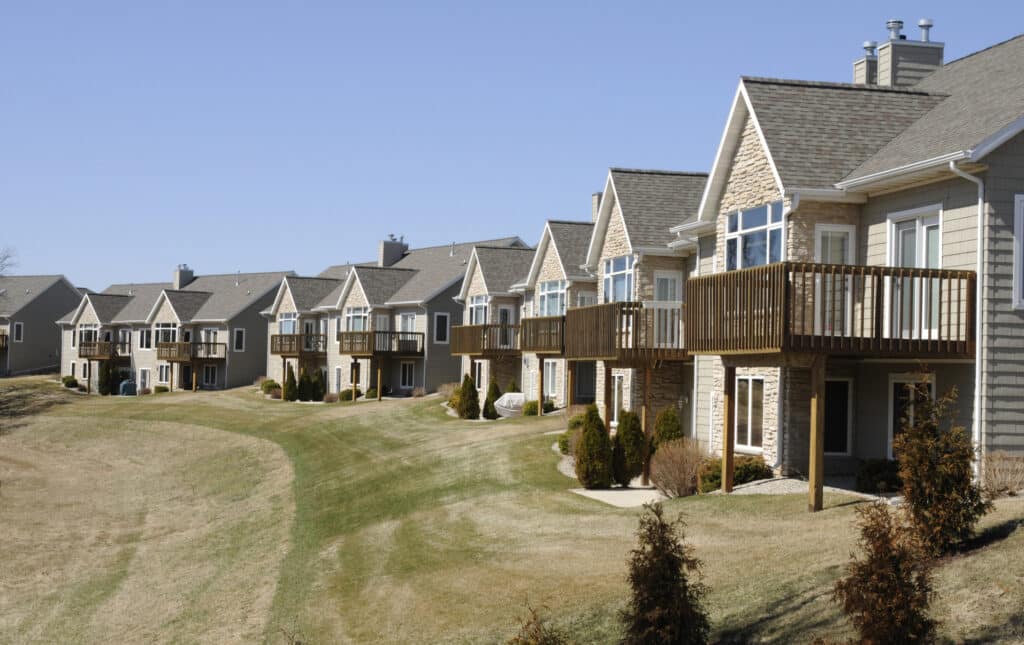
(143, 378)
(407, 323)
(356, 318)
(1018, 252)
(618, 396)
(72, 369)
(833, 244)
(441, 321)
(209, 375)
(145, 339)
(478, 310)
(88, 333)
(618, 279)
(838, 416)
(904, 395)
(238, 342)
(208, 335)
(323, 326)
(286, 323)
(337, 378)
(74, 337)
(749, 412)
(550, 379)
(19, 332)
(915, 241)
(551, 298)
(163, 373)
(408, 375)
(478, 373)
(753, 237)
(337, 329)
(85, 370)
(166, 333)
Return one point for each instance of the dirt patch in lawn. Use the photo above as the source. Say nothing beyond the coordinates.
(127, 531)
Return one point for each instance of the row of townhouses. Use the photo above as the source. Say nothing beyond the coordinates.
(849, 239)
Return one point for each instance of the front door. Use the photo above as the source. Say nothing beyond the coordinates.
(186, 377)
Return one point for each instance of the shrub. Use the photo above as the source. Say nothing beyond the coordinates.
(70, 382)
(530, 408)
(492, 395)
(160, 389)
(469, 400)
(667, 427)
(936, 460)
(512, 387)
(675, 465)
(886, 591)
(371, 393)
(594, 452)
(291, 388)
(665, 606)
(1004, 474)
(276, 393)
(876, 476)
(418, 392)
(82, 388)
(269, 384)
(627, 449)
(305, 386)
(104, 382)
(346, 394)
(330, 397)
(317, 387)
(446, 390)
(534, 630)
(568, 440)
(563, 442)
(746, 468)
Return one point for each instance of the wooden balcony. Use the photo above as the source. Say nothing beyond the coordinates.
(485, 341)
(298, 344)
(188, 352)
(103, 350)
(380, 343)
(543, 335)
(626, 333)
(833, 309)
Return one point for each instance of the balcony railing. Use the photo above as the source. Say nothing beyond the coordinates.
(485, 340)
(543, 335)
(187, 352)
(626, 332)
(103, 350)
(3, 340)
(371, 343)
(298, 344)
(833, 309)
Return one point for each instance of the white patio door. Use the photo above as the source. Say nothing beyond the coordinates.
(308, 329)
(833, 244)
(916, 244)
(505, 317)
(667, 319)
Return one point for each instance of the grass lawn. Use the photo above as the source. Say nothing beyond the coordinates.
(128, 520)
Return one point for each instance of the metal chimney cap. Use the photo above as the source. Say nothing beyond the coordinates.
(870, 46)
(925, 22)
(894, 26)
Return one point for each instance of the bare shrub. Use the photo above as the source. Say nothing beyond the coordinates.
(276, 393)
(418, 392)
(1004, 474)
(675, 465)
(259, 381)
(887, 589)
(447, 389)
(534, 630)
(331, 397)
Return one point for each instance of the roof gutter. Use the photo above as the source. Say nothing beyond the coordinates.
(978, 308)
(908, 169)
(694, 227)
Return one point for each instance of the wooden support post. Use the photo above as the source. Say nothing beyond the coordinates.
(645, 421)
(170, 382)
(540, 385)
(728, 436)
(88, 379)
(194, 380)
(570, 383)
(380, 385)
(608, 398)
(816, 467)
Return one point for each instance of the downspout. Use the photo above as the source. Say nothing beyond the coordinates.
(427, 337)
(978, 307)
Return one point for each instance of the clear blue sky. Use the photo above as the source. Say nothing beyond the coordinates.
(293, 135)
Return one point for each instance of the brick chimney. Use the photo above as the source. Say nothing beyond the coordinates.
(182, 276)
(391, 250)
(901, 62)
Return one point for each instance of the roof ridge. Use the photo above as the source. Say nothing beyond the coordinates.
(391, 268)
(504, 248)
(470, 243)
(570, 221)
(835, 85)
(108, 295)
(34, 275)
(236, 273)
(982, 50)
(187, 291)
(648, 171)
(312, 277)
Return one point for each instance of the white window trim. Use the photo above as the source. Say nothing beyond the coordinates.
(72, 372)
(903, 378)
(848, 305)
(159, 374)
(478, 304)
(402, 319)
(148, 379)
(412, 373)
(551, 381)
(558, 289)
(337, 328)
(617, 404)
(19, 332)
(892, 219)
(1018, 251)
(447, 327)
(849, 415)
(338, 374)
(205, 368)
(234, 339)
(354, 313)
(769, 225)
(142, 334)
(741, 448)
(836, 228)
(607, 277)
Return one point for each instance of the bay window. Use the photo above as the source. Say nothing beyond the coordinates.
(286, 323)
(618, 279)
(166, 332)
(551, 298)
(356, 318)
(478, 310)
(753, 236)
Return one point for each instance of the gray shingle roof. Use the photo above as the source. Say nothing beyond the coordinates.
(819, 132)
(503, 266)
(187, 303)
(308, 293)
(106, 306)
(16, 291)
(985, 93)
(653, 201)
(438, 267)
(340, 271)
(143, 298)
(571, 239)
(380, 283)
